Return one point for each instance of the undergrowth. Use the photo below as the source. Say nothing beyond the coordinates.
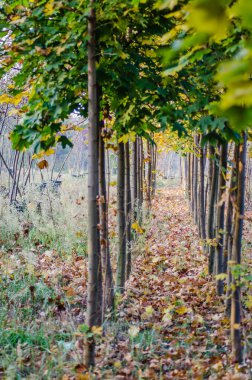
(43, 274)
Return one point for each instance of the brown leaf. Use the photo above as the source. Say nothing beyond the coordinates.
(43, 164)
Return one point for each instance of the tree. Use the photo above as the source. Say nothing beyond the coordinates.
(236, 253)
(94, 304)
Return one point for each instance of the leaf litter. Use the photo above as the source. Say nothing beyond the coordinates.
(170, 324)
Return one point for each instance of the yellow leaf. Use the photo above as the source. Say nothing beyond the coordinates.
(124, 139)
(132, 136)
(82, 376)
(49, 8)
(97, 330)
(133, 331)
(221, 276)
(43, 153)
(79, 234)
(117, 364)
(149, 310)
(248, 302)
(236, 326)
(15, 100)
(47, 137)
(135, 226)
(182, 310)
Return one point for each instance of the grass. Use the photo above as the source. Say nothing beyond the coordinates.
(39, 312)
(43, 278)
(53, 220)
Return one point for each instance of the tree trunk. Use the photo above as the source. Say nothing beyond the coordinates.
(189, 179)
(195, 186)
(192, 186)
(154, 171)
(228, 241)
(128, 208)
(134, 179)
(236, 254)
(211, 209)
(121, 259)
(185, 172)
(202, 195)
(108, 290)
(93, 315)
(149, 176)
(221, 215)
(140, 177)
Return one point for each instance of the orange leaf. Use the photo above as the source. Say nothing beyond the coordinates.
(43, 164)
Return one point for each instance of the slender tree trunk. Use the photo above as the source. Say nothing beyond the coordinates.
(93, 303)
(185, 172)
(228, 242)
(128, 208)
(140, 176)
(195, 185)
(211, 209)
(192, 186)
(202, 194)
(189, 179)
(221, 215)
(108, 289)
(134, 178)
(154, 171)
(207, 187)
(236, 254)
(121, 260)
(149, 181)
(15, 165)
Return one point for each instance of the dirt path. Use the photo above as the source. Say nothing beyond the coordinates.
(170, 323)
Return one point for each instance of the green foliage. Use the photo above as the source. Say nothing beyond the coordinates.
(210, 45)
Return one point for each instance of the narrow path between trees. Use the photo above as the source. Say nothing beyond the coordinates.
(175, 326)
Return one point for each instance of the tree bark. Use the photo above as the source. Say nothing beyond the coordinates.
(134, 179)
(195, 185)
(149, 175)
(211, 209)
(221, 215)
(228, 241)
(108, 289)
(189, 179)
(154, 171)
(140, 177)
(121, 259)
(202, 194)
(128, 208)
(192, 187)
(236, 254)
(93, 315)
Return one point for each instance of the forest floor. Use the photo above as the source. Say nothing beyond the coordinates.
(169, 324)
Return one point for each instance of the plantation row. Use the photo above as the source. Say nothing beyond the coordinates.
(147, 75)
